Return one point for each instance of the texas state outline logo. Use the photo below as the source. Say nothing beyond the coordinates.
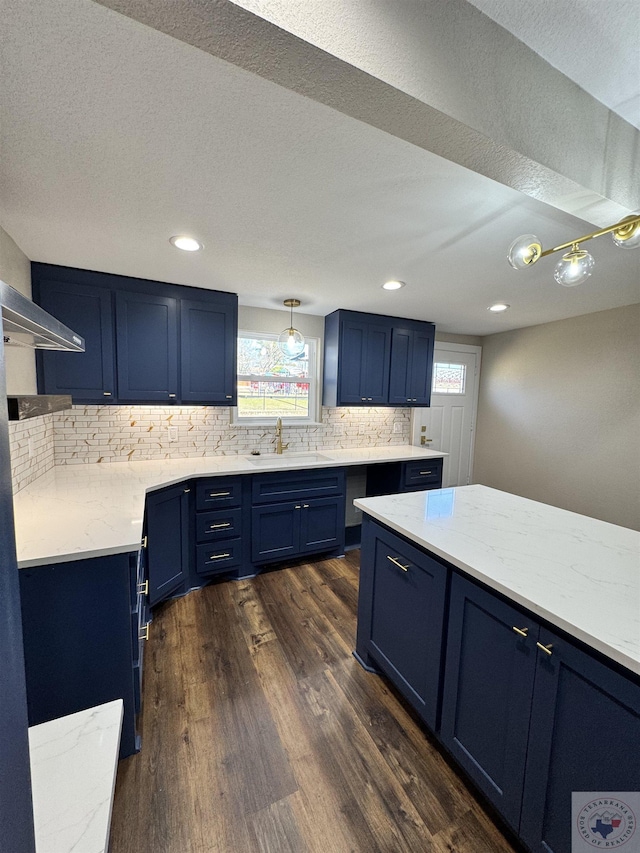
(604, 821)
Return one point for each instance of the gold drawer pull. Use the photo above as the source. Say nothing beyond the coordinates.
(145, 632)
(143, 588)
(305, 506)
(298, 506)
(546, 649)
(144, 541)
(218, 526)
(219, 556)
(396, 563)
(524, 632)
(219, 494)
(426, 472)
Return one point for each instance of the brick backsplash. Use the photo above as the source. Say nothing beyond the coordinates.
(31, 445)
(118, 433)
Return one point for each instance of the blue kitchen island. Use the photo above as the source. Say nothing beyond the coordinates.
(513, 630)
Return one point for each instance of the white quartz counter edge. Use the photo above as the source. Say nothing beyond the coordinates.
(579, 574)
(81, 511)
(73, 775)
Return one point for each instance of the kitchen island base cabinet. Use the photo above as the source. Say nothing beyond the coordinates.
(584, 736)
(400, 618)
(528, 713)
(80, 621)
(487, 693)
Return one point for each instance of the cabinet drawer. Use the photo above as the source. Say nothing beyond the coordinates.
(218, 556)
(219, 524)
(295, 485)
(427, 473)
(219, 493)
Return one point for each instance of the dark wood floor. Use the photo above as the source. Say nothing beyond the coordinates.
(262, 733)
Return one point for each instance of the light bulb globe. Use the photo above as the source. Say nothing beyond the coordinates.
(291, 343)
(524, 251)
(574, 268)
(628, 236)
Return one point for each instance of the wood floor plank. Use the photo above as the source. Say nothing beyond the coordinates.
(262, 734)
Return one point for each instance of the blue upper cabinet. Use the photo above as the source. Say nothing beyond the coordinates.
(90, 376)
(411, 364)
(208, 334)
(372, 360)
(146, 341)
(147, 347)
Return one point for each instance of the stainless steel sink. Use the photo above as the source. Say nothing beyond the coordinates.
(294, 458)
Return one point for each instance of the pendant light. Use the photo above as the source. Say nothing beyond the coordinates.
(291, 341)
(577, 264)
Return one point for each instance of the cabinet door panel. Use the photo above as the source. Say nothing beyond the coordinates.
(487, 694)
(407, 612)
(352, 362)
(275, 531)
(585, 736)
(400, 374)
(167, 541)
(147, 347)
(376, 377)
(321, 524)
(421, 365)
(208, 346)
(90, 375)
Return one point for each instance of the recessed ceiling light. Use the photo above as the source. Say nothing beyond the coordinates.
(393, 285)
(187, 244)
(499, 306)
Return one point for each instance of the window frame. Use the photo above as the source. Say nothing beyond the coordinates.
(314, 380)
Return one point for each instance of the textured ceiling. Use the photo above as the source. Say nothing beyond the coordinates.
(596, 44)
(116, 136)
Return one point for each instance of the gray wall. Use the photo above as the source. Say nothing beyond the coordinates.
(15, 270)
(559, 414)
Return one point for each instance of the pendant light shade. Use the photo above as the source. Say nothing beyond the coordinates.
(627, 236)
(574, 268)
(291, 341)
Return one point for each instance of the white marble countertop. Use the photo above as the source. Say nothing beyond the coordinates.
(73, 774)
(79, 511)
(580, 574)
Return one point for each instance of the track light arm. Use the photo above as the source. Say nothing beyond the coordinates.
(624, 228)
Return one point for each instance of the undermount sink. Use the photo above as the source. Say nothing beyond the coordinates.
(298, 458)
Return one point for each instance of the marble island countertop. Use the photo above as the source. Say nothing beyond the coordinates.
(79, 511)
(578, 573)
(73, 775)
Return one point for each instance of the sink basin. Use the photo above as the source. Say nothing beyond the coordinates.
(297, 458)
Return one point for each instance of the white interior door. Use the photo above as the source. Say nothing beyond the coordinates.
(449, 423)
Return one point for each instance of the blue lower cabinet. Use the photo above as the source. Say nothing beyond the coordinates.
(79, 646)
(488, 688)
(167, 525)
(312, 521)
(584, 736)
(402, 607)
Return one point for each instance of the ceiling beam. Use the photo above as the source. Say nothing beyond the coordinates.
(453, 82)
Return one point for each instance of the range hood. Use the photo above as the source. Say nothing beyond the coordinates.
(26, 324)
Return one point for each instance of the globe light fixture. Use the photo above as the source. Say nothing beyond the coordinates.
(576, 265)
(574, 268)
(291, 341)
